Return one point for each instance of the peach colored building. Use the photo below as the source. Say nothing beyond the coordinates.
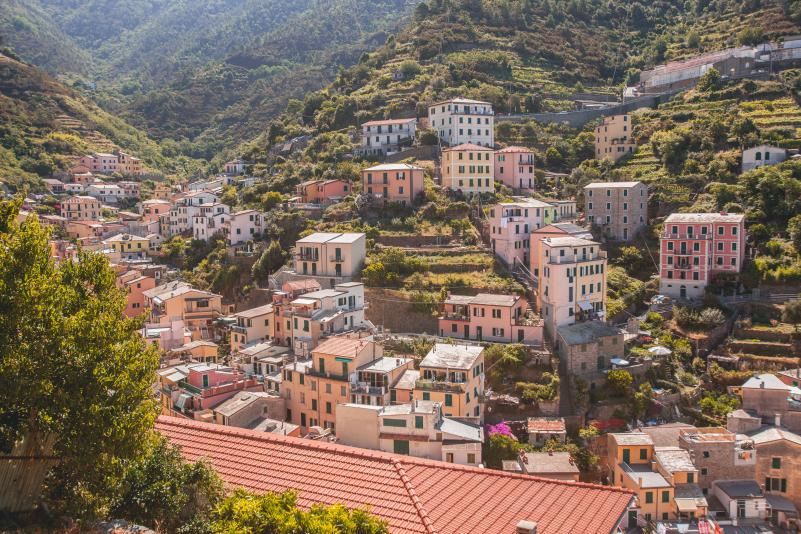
(162, 192)
(253, 326)
(154, 209)
(493, 318)
(514, 167)
(135, 285)
(613, 138)
(453, 375)
(511, 224)
(84, 230)
(80, 208)
(330, 255)
(394, 182)
(572, 283)
(313, 388)
(552, 230)
(403, 390)
(197, 351)
(179, 301)
(696, 246)
(324, 191)
(374, 381)
(468, 168)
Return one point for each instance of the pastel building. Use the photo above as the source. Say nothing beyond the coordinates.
(323, 191)
(252, 326)
(694, 247)
(383, 137)
(129, 246)
(468, 168)
(493, 318)
(243, 226)
(416, 429)
(154, 209)
(394, 182)
(330, 255)
(134, 284)
(559, 229)
(619, 209)
(209, 220)
(374, 382)
(80, 208)
(572, 284)
(511, 225)
(514, 167)
(235, 167)
(613, 138)
(453, 376)
(180, 302)
(460, 120)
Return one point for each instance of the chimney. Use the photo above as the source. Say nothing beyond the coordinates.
(762, 385)
(526, 527)
(777, 420)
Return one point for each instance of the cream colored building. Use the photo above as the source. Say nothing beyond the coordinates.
(129, 246)
(460, 120)
(468, 168)
(330, 255)
(453, 375)
(415, 429)
(619, 209)
(253, 326)
(81, 208)
(613, 138)
(572, 283)
(179, 302)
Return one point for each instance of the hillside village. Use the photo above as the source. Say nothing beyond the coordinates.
(605, 297)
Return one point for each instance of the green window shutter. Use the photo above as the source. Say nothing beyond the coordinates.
(418, 421)
(302, 378)
(649, 497)
(643, 454)
(784, 485)
(448, 399)
(776, 463)
(393, 396)
(626, 456)
(399, 423)
(665, 496)
(314, 404)
(426, 395)
(401, 447)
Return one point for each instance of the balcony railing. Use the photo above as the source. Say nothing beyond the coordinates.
(560, 260)
(455, 317)
(438, 385)
(365, 389)
(239, 329)
(323, 374)
(337, 259)
(701, 237)
(306, 256)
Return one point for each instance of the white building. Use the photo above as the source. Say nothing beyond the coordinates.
(106, 193)
(181, 214)
(417, 429)
(209, 220)
(244, 225)
(762, 156)
(459, 121)
(388, 136)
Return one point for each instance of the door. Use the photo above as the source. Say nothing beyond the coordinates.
(303, 420)
(466, 331)
(626, 456)
(683, 292)
(520, 336)
(478, 333)
(632, 518)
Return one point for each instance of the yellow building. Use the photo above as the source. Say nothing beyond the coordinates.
(613, 138)
(468, 168)
(453, 375)
(129, 245)
(253, 326)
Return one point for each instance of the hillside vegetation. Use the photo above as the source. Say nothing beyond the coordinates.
(43, 124)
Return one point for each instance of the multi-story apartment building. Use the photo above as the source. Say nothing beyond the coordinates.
(107, 193)
(453, 375)
(383, 137)
(243, 226)
(468, 168)
(374, 381)
(487, 317)
(511, 225)
(210, 219)
(514, 167)
(135, 284)
(586, 350)
(694, 247)
(107, 163)
(330, 255)
(189, 389)
(182, 212)
(718, 455)
(619, 209)
(129, 246)
(394, 182)
(130, 189)
(572, 283)
(460, 120)
(153, 209)
(235, 167)
(613, 138)
(560, 229)
(253, 326)
(80, 208)
(179, 301)
(323, 191)
(415, 429)
(313, 388)
(302, 323)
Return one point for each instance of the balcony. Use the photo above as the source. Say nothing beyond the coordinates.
(695, 237)
(455, 317)
(437, 385)
(305, 256)
(323, 374)
(363, 388)
(239, 329)
(488, 113)
(562, 260)
(336, 259)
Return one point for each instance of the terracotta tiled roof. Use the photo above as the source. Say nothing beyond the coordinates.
(342, 346)
(413, 495)
(546, 424)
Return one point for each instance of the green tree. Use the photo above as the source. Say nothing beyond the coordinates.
(791, 313)
(271, 199)
(75, 371)
(794, 230)
(499, 448)
(278, 513)
(750, 36)
(710, 81)
(270, 260)
(162, 491)
(620, 381)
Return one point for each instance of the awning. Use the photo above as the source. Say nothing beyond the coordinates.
(687, 505)
(180, 402)
(780, 504)
(585, 305)
(619, 362)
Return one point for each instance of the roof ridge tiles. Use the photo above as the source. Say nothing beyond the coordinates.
(418, 505)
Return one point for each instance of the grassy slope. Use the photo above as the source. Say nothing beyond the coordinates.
(43, 123)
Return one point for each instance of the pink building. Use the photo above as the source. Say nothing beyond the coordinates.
(394, 182)
(511, 224)
(696, 246)
(487, 317)
(514, 167)
(192, 388)
(135, 284)
(323, 191)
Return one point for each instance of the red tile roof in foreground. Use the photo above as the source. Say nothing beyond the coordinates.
(413, 495)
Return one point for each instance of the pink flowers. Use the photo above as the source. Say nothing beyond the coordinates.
(500, 428)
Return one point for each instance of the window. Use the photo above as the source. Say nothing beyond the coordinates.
(398, 423)
(426, 395)
(706, 454)
(704, 471)
(448, 399)
(205, 381)
(314, 404)
(690, 478)
(776, 463)
(449, 457)
(418, 421)
(643, 454)
(665, 496)
(649, 497)
(401, 447)
(328, 388)
(327, 407)
(471, 458)
(776, 484)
